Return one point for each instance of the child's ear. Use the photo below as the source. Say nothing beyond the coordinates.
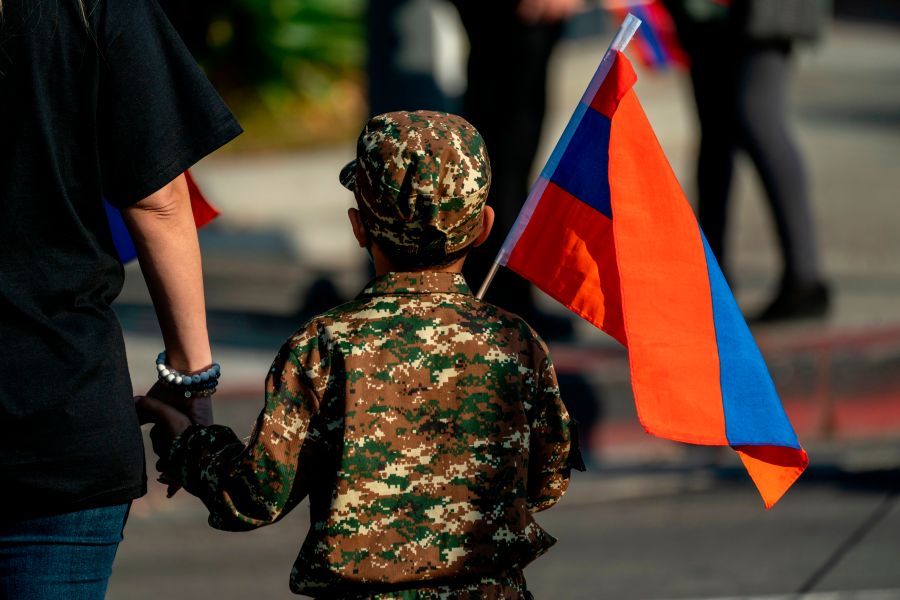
(487, 216)
(359, 230)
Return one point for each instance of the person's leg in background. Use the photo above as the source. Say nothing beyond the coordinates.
(60, 557)
(402, 58)
(506, 101)
(712, 77)
(766, 135)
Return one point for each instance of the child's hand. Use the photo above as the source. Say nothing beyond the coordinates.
(168, 424)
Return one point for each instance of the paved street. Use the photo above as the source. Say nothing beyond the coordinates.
(715, 542)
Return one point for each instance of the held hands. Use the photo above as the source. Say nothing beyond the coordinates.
(168, 423)
(197, 408)
(171, 414)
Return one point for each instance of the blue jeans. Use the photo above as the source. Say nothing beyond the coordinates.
(66, 556)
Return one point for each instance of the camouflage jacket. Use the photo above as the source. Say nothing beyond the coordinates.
(424, 425)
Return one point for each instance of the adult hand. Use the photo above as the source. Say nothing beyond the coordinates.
(197, 408)
(172, 413)
(547, 11)
(169, 423)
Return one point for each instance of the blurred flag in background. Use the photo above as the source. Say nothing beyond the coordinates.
(656, 42)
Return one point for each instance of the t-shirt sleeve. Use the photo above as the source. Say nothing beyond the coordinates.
(158, 114)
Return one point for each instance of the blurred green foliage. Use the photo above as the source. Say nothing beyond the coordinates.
(278, 61)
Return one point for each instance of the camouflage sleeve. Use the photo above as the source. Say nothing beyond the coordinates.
(549, 461)
(252, 485)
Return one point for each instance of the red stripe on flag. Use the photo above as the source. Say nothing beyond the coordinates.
(567, 251)
(665, 288)
(620, 79)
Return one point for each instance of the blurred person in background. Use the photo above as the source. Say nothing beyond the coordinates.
(511, 42)
(510, 46)
(740, 60)
(413, 59)
(97, 99)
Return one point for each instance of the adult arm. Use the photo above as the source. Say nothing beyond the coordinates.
(164, 234)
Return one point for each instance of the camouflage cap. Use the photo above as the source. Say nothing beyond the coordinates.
(421, 180)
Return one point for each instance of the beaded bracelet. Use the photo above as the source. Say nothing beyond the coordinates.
(198, 384)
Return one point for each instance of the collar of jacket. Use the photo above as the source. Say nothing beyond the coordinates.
(420, 282)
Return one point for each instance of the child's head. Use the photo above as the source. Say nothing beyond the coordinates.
(421, 180)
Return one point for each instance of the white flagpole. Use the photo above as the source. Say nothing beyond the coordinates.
(488, 279)
(620, 41)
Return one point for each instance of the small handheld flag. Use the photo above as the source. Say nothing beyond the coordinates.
(607, 231)
(203, 210)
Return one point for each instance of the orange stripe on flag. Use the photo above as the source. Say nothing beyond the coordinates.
(665, 288)
(773, 469)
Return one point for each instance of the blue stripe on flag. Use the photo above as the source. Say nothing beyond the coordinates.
(563, 143)
(753, 413)
(583, 170)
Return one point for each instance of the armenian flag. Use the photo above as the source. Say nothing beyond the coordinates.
(607, 231)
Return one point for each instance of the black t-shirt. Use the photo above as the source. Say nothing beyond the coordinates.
(113, 107)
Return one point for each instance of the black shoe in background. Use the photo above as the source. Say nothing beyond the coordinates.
(797, 301)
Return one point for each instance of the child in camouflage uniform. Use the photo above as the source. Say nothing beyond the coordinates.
(424, 425)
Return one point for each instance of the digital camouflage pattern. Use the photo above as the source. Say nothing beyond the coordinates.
(421, 180)
(424, 425)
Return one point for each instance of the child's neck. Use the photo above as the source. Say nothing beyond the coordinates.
(383, 264)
